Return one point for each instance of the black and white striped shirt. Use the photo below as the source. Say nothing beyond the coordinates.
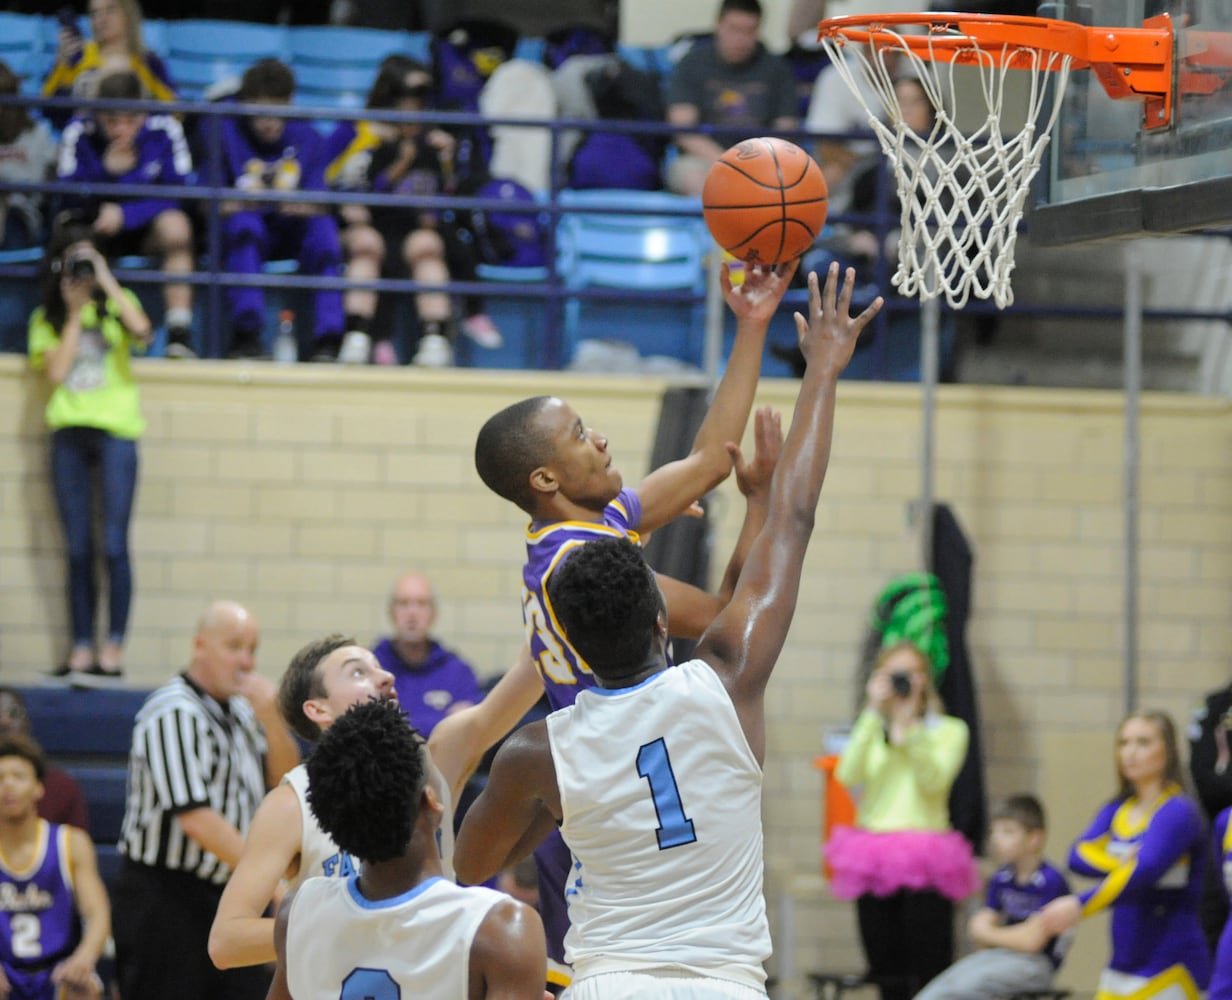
(190, 751)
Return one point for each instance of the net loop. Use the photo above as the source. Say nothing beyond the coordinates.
(962, 194)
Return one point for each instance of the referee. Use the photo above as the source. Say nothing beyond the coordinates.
(206, 746)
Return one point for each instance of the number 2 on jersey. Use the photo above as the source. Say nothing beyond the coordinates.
(654, 764)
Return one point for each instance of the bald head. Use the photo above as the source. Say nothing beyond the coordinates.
(224, 649)
(412, 611)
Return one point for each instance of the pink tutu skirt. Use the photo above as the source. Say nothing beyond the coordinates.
(883, 863)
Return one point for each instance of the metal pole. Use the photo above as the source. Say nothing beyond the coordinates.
(1133, 392)
(930, 351)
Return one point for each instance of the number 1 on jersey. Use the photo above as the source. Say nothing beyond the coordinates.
(654, 764)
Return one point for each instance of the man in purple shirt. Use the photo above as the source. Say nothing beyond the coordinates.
(431, 681)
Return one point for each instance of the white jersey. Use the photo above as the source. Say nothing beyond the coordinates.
(661, 798)
(319, 855)
(414, 945)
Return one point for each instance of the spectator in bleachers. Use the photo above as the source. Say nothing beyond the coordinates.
(729, 81)
(81, 338)
(62, 801)
(118, 43)
(27, 155)
(207, 745)
(410, 159)
(131, 147)
(271, 153)
(55, 926)
(432, 681)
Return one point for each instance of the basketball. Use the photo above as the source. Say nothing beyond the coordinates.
(765, 201)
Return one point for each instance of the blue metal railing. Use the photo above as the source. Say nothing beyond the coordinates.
(552, 291)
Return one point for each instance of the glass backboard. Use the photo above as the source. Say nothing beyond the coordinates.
(1107, 175)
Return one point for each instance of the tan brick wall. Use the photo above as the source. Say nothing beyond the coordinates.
(303, 491)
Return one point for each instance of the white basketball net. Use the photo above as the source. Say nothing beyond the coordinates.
(962, 195)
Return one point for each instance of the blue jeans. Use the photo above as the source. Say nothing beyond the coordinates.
(75, 452)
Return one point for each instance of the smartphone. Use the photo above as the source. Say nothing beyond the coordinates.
(67, 16)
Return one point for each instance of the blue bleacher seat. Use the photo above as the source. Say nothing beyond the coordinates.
(103, 786)
(21, 33)
(530, 49)
(332, 86)
(649, 251)
(83, 723)
(519, 319)
(193, 77)
(239, 42)
(311, 44)
(420, 46)
(154, 34)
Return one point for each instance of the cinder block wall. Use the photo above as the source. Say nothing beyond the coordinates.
(304, 491)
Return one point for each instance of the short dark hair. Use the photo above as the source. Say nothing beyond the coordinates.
(740, 7)
(271, 78)
(25, 748)
(390, 87)
(607, 601)
(121, 85)
(302, 682)
(365, 779)
(1025, 810)
(510, 446)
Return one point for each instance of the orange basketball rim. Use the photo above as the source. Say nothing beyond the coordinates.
(1129, 62)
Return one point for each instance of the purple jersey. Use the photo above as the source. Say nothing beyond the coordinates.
(1151, 875)
(162, 158)
(295, 162)
(38, 915)
(1221, 978)
(564, 672)
(1016, 901)
(428, 691)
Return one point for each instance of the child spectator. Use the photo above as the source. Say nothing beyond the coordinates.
(57, 918)
(269, 153)
(81, 338)
(63, 801)
(410, 159)
(1013, 954)
(27, 155)
(117, 44)
(131, 147)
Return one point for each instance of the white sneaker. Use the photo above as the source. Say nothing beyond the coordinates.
(434, 352)
(356, 348)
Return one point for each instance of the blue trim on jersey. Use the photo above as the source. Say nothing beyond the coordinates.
(610, 692)
(364, 902)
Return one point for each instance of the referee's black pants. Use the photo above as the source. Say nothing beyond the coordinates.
(161, 921)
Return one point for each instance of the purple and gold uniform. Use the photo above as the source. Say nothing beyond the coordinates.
(162, 158)
(1221, 977)
(564, 674)
(38, 916)
(295, 162)
(1150, 872)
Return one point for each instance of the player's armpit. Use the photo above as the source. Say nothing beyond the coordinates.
(241, 935)
(509, 954)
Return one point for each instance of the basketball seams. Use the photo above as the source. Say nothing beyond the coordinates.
(770, 207)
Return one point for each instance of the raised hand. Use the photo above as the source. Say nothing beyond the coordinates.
(758, 296)
(828, 337)
(753, 478)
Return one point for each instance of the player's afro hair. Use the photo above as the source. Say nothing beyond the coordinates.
(509, 448)
(365, 779)
(606, 599)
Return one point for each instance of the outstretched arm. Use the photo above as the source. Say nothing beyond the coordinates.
(671, 488)
(745, 640)
(460, 740)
